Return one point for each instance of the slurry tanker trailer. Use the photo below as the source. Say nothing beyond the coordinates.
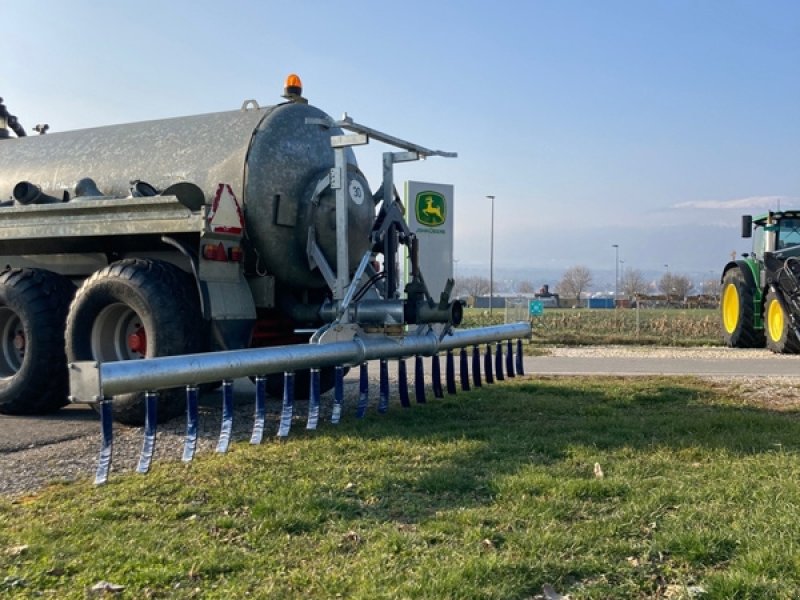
(196, 238)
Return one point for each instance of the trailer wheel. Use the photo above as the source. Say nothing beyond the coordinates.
(33, 368)
(781, 338)
(738, 312)
(136, 309)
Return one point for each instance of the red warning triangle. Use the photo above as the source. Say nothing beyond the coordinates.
(226, 214)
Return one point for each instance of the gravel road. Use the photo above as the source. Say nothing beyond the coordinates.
(63, 447)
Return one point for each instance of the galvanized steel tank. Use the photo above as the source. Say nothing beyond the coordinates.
(271, 158)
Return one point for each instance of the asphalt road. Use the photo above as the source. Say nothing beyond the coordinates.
(742, 365)
(72, 422)
(17, 433)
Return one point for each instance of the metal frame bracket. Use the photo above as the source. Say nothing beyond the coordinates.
(85, 382)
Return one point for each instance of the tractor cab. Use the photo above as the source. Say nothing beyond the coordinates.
(777, 232)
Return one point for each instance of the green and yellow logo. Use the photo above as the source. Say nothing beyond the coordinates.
(431, 209)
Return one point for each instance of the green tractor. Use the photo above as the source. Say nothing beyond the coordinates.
(760, 300)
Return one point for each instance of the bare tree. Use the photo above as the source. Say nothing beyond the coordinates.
(471, 286)
(633, 283)
(574, 282)
(675, 286)
(712, 287)
(525, 287)
(683, 286)
(665, 285)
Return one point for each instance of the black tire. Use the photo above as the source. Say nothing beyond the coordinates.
(134, 309)
(33, 367)
(781, 338)
(737, 311)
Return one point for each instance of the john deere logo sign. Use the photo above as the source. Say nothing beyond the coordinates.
(431, 209)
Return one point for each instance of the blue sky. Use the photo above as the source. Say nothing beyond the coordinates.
(648, 124)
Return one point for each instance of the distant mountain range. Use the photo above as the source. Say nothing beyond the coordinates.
(698, 251)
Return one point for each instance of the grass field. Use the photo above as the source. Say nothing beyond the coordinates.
(668, 326)
(598, 487)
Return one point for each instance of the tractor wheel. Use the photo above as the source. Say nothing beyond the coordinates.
(33, 367)
(781, 338)
(738, 312)
(136, 309)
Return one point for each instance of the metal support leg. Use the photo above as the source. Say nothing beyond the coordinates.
(520, 370)
(498, 361)
(419, 380)
(476, 366)
(487, 364)
(150, 424)
(383, 395)
(338, 395)
(436, 377)
(402, 383)
(226, 428)
(107, 445)
(287, 410)
(464, 369)
(510, 359)
(363, 391)
(190, 443)
(313, 401)
(451, 373)
(260, 416)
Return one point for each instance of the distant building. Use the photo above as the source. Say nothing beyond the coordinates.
(601, 302)
(487, 302)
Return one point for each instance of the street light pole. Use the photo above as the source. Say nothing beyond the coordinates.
(491, 259)
(616, 274)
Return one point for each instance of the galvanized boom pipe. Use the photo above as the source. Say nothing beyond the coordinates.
(91, 382)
